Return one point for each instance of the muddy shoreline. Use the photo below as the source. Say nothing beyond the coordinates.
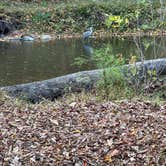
(15, 36)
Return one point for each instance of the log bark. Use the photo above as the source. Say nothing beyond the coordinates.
(53, 88)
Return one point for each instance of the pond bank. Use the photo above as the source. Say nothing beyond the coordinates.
(15, 36)
(72, 18)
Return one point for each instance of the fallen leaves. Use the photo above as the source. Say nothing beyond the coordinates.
(83, 133)
(54, 121)
(108, 157)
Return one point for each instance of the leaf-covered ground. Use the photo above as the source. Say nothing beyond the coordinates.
(82, 133)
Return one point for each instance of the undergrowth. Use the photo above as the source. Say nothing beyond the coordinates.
(75, 16)
(119, 82)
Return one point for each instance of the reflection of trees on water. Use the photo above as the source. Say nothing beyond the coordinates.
(22, 62)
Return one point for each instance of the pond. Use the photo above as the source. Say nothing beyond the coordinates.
(22, 62)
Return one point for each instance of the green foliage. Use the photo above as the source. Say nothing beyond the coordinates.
(41, 17)
(119, 83)
(113, 85)
(76, 16)
(141, 16)
(2, 5)
(41, 20)
(116, 22)
(105, 59)
(80, 61)
(44, 3)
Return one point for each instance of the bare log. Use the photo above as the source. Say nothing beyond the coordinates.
(53, 88)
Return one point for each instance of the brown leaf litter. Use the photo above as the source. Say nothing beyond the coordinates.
(86, 133)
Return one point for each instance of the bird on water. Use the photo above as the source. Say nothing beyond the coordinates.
(88, 33)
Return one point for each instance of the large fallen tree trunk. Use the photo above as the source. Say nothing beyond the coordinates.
(52, 88)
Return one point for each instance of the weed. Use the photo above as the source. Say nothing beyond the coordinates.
(113, 85)
(120, 81)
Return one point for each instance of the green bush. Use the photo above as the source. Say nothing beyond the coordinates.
(113, 85)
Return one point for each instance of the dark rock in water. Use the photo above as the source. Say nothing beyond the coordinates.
(16, 24)
(7, 27)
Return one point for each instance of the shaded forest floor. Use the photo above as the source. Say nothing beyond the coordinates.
(82, 132)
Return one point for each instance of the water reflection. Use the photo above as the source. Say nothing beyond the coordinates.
(22, 62)
(88, 49)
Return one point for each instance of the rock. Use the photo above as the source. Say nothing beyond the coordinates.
(45, 37)
(27, 38)
(5, 27)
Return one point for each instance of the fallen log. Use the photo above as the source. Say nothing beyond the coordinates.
(53, 88)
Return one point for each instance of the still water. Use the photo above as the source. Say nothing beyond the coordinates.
(22, 62)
